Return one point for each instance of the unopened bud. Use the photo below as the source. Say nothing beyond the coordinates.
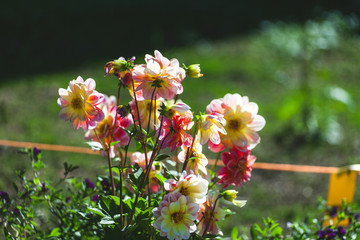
(194, 71)
(230, 195)
(126, 80)
(123, 111)
(118, 67)
(139, 136)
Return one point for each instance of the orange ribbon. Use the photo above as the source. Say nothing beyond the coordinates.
(257, 165)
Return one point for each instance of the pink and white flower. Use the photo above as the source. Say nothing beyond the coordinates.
(208, 224)
(159, 74)
(242, 121)
(238, 167)
(197, 160)
(79, 104)
(173, 132)
(210, 128)
(175, 216)
(144, 107)
(105, 130)
(189, 185)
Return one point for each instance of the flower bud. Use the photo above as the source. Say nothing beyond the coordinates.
(230, 195)
(119, 67)
(194, 71)
(123, 111)
(126, 80)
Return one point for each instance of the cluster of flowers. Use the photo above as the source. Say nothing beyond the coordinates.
(229, 126)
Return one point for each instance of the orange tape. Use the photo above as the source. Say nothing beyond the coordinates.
(257, 165)
(49, 147)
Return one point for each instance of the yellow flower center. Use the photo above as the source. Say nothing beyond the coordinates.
(235, 125)
(77, 103)
(177, 217)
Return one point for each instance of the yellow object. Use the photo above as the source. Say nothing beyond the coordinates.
(341, 188)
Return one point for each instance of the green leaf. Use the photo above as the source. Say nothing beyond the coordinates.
(160, 178)
(107, 220)
(116, 200)
(234, 233)
(253, 232)
(38, 165)
(161, 157)
(277, 231)
(36, 181)
(95, 145)
(55, 233)
(114, 143)
(96, 211)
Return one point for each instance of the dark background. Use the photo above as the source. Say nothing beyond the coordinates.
(45, 36)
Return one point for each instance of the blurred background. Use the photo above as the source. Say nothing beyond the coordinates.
(298, 60)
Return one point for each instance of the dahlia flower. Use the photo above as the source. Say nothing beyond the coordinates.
(189, 185)
(238, 167)
(170, 108)
(242, 121)
(79, 104)
(175, 216)
(105, 130)
(211, 222)
(197, 160)
(210, 127)
(144, 111)
(161, 73)
(173, 132)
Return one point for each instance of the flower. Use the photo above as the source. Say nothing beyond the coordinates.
(238, 167)
(5, 196)
(208, 224)
(89, 184)
(79, 104)
(242, 121)
(175, 119)
(197, 160)
(160, 76)
(95, 198)
(36, 152)
(189, 185)
(144, 107)
(170, 108)
(43, 187)
(175, 216)
(105, 130)
(341, 232)
(173, 132)
(105, 184)
(210, 128)
(194, 71)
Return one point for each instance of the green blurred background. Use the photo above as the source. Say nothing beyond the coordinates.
(298, 60)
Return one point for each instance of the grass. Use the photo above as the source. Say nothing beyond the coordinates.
(247, 65)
